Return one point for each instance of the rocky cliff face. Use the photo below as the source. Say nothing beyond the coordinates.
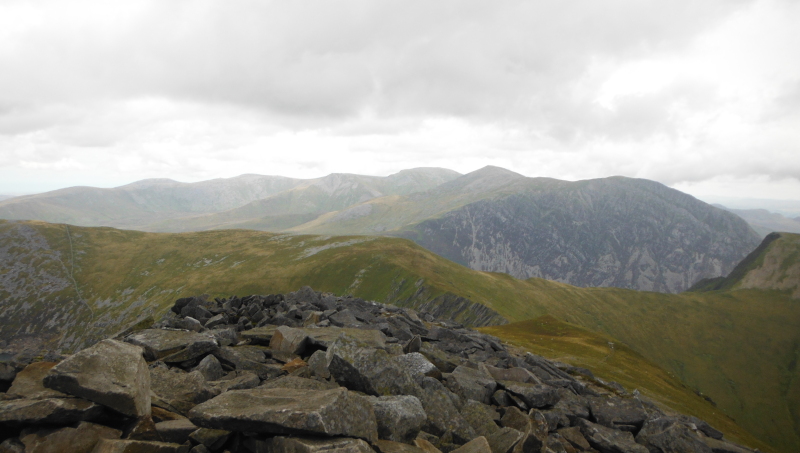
(319, 373)
(618, 232)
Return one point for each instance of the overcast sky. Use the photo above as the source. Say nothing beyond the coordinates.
(703, 96)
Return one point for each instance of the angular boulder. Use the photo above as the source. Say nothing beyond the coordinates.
(399, 418)
(481, 417)
(504, 440)
(533, 395)
(111, 373)
(418, 366)
(289, 340)
(210, 368)
(471, 384)
(669, 434)
(443, 416)
(336, 412)
(390, 446)
(181, 344)
(609, 440)
(175, 431)
(618, 412)
(180, 390)
(367, 370)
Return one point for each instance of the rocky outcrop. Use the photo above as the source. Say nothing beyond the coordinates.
(621, 232)
(385, 380)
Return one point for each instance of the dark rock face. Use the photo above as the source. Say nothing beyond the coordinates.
(618, 232)
(390, 381)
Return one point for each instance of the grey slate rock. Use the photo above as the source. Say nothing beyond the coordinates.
(315, 445)
(615, 412)
(137, 446)
(607, 440)
(504, 440)
(399, 418)
(210, 368)
(111, 373)
(337, 412)
(180, 390)
(79, 439)
(175, 431)
(533, 395)
(480, 417)
(669, 435)
(418, 366)
(443, 415)
(372, 371)
(50, 411)
(160, 343)
(471, 384)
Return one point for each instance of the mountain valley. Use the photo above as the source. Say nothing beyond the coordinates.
(55, 280)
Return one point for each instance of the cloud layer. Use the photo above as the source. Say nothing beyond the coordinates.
(683, 92)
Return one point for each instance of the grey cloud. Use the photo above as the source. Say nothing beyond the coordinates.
(334, 59)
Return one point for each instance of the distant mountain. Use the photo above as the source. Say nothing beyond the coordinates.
(773, 265)
(160, 201)
(311, 199)
(621, 232)
(143, 202)
(765, 222)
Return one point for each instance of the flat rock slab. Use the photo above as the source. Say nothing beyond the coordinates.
(533, 395)
(28, 383)
(399, 418)
(111, 373)
(138, 446)
(294, 382)
(81, 439)
(303, 445)
(336, 412)
(612, 412)
(175, 431)
(54, 411)
(160, 343)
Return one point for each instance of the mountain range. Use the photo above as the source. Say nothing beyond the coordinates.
(64, 287)
(620, 232)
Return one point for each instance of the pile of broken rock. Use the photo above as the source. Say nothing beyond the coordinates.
(310, 372)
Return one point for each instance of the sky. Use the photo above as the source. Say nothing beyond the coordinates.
(701, 96)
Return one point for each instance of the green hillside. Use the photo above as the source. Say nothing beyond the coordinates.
(614, 361)
(739, 347)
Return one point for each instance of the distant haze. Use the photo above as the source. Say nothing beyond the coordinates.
(701, 96)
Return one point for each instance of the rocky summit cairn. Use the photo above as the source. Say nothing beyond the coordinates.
(310, 372)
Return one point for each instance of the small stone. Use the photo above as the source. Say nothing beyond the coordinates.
(142, 429)
(81, 439)
(417, 365)
(477, 445)
(210, 368)
(533, 395)
(504, 440)
(294, 365)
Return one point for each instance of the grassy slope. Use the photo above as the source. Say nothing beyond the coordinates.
(611, 360)
(739, 347)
